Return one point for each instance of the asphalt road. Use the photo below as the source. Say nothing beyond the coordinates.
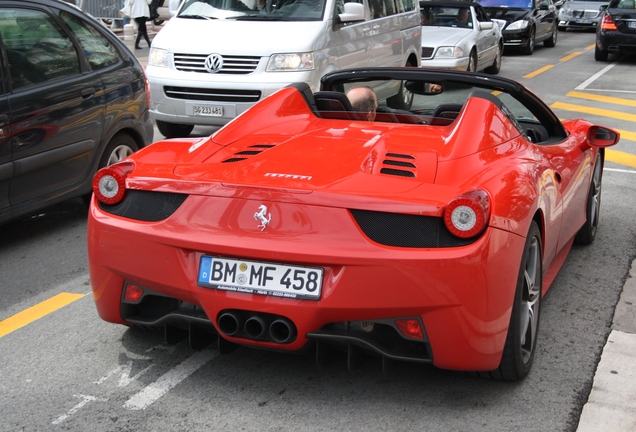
(68, 370)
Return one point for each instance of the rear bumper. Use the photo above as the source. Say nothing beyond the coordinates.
(461, 295)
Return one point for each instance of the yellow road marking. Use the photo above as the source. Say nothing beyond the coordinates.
(595, 111)
(630, 136)
(620, 157)
(571, 56)
(539, 71)
(601, 98)
(36, 312)
(589, 47)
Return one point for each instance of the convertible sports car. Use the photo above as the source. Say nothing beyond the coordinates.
(427, 235)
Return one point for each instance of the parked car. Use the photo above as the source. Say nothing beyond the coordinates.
(73, 99)
(580, 14)
(474, 44)
(617, 32)
(526, 22)
(252, 48)
(427, 235)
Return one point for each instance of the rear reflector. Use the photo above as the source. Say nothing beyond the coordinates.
(410, 328)
(133, 293)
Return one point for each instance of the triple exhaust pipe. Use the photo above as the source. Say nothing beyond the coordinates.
(257, 326)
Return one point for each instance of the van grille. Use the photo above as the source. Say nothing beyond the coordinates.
(233, 65)
(212, 95)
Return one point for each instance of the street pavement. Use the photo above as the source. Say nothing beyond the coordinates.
(611, 405)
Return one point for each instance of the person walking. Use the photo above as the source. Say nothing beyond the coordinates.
(140, 12)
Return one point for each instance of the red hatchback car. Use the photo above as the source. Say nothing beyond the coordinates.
(427, 235)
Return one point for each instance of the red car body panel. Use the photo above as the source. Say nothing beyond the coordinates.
(310, 172)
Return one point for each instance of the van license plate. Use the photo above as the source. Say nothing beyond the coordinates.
(208, 110)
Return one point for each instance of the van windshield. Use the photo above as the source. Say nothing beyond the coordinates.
(258, 10)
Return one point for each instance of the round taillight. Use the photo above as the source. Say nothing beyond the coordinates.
(109, 183)
(467, 215)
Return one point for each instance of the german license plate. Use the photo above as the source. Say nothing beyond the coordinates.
(208, 110)
(631, 24)
(253, 277)
(583, 21)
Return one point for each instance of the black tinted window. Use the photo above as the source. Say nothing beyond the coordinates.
(38, 50)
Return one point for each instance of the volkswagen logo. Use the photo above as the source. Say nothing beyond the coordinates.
(213, 63)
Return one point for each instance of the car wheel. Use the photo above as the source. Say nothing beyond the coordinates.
(529, 49)
(119, 148)
(587, 233)
(496, 65)
(551, 42)
(472, 62)
(174, 130)
(521, 340)
(403, 99)
(600, 55)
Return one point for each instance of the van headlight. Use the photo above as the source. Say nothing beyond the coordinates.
(450, 52)
(291, 62)
(518, 25)
(158, 57)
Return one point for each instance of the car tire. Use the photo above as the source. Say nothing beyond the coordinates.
(529, 49)
(587, 233)
(119, 148)
(552, 40)
(496, 65)
(472, 62)
(402, 100)
(521, 340)
(600, 55)
(174, 130)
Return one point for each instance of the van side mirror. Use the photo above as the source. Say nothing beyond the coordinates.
(352, 12)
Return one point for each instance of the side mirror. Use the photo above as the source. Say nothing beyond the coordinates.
(600, 136)
(352, 12)
(486, 25)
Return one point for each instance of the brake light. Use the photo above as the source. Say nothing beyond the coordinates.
(608, 23)
(109, 183)
(467, 215)
(410, 328)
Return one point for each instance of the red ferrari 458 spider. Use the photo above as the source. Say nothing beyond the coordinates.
(427, 233)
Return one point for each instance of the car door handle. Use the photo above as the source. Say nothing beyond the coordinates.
(88, 92)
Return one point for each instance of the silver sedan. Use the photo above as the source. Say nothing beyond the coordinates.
(460, 36)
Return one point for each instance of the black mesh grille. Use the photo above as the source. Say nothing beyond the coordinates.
(240, 155)
(212, 95)
(404, 230)
(392, 160)
(377, 335)
(145, 205)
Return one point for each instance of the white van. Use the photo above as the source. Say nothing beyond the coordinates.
(216, 58)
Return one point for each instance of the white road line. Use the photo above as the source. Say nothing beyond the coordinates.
(596, 76)
(163, 385)
(85, 399)
(619, 170)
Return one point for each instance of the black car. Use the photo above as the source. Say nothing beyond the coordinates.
(525, 22)
(73, 98)
(617, 31)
